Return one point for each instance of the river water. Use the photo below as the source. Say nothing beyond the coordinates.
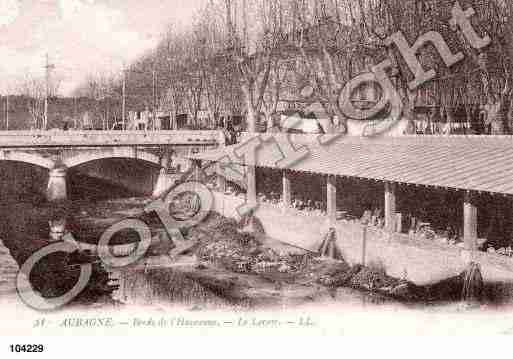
(8, 272)
(155, 291)
(89, 213)
(168, 288)
(97, 201)
(342, 309)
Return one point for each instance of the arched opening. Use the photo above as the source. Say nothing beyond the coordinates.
(22, 182)
(22, 222)
(112, 178)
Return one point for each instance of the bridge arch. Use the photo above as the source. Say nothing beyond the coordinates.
(25, 157)
(82, 158)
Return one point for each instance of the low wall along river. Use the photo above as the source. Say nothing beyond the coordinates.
(421, 262)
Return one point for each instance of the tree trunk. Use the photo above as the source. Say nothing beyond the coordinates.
(496, 117)
(508, 34)
(409, 115)
(251, 118)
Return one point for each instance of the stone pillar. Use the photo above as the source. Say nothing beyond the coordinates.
(165, 180)
(470, 222)
(221, 139)
(331, 198)
(390, 215)
(286, 191)
(251, 191)
(399, 223)
(163, 184)
(221, 181)
(57, 189)
(197, 170)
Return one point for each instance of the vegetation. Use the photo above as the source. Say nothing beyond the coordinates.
(250, 57)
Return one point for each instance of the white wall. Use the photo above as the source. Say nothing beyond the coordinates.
(423, 262)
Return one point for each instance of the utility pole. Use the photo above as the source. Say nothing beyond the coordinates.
(75, 112)
(123, 101)
(48, 67)
(7, 111)
(154, 100)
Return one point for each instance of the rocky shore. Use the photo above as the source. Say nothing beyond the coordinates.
(223, 243)
(243, 267)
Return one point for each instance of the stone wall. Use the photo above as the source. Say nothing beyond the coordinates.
(419, 261)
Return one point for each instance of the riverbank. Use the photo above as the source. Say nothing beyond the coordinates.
(25, 230)
(246, 269)
(224, 243)
(227, 264)
(224, 265)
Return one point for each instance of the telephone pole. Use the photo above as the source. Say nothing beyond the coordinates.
(75, 112)
(48, 67)
(123, 101)
(154, 101)
(7, 111)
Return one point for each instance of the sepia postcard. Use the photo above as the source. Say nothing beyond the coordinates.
(247, 167)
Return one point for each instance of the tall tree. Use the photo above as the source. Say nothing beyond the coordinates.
(35, 89)
(170, 68)
(253, 46)
(337, 40)
(492, 64)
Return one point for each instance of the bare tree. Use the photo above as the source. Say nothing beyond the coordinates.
(170, 66)
(337, 40)
(100, 87)
(232, 98)
(402, 16)
(508, 30)
(34, 89)
(492, 65)
(253, 46)
(178, 61)
(212, 61)
(274, 90)
(214, 84)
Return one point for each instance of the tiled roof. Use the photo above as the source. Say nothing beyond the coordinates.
(478, 163)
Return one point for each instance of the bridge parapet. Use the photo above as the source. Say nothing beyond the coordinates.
(31, 139)
(59, 151)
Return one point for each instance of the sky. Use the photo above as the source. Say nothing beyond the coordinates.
(81, 36)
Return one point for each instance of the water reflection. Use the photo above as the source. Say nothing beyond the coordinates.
(27, 227)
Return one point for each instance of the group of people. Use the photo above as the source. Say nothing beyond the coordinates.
(231, 134)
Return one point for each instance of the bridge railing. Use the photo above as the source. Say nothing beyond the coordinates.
(108, 138)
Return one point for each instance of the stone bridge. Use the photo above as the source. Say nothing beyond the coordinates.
(59, 151)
